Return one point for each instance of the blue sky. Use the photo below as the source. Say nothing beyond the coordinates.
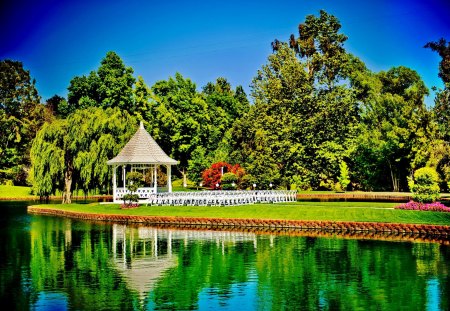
(203, 40)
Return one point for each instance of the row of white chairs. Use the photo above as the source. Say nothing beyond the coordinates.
(222, 197)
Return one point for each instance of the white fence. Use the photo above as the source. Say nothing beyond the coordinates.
(222, 198)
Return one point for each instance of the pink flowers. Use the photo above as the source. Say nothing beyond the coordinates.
(129, 205)
(417, 206)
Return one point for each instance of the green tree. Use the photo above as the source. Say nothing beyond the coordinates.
(21, 116)
(304, 115)
(72, 153)
(58, 106)
(442, 47)
(181, 121)
(110, 86)
(395, 128)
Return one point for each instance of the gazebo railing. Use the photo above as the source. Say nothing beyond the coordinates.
(222, 198)
(144, 193)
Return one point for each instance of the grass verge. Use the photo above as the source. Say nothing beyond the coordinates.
(319, 211)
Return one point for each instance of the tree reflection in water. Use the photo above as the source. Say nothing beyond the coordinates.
(103, 266)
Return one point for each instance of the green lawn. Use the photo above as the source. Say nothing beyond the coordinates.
(15, 192)
(335, 211)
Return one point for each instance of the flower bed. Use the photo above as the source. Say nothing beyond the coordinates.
(417, 206)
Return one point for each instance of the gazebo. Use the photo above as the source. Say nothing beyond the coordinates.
(141, 153)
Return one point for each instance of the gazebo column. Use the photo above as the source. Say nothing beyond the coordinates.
(155, 178)
(123, 177)
(114, 183)
(169, 177)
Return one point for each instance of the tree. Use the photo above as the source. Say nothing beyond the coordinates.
(442, 47)
(304, 115)
(181, 119)
(58, 106)
(110, 86)
(48, 159)
(21, 116)
(395, 128)
(72, 153)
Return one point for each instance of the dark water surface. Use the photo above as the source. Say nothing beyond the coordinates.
(50, 263)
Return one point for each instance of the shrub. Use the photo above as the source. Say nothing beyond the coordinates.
(227, 181)
(134, 181)
(424, 186)
(213, 175)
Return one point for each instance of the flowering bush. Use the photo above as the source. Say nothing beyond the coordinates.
(213, 175)
(417, 206)
(129, 205)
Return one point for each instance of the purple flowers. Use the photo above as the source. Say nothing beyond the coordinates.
(417, 206)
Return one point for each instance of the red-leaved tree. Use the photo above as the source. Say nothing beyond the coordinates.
(211, 176)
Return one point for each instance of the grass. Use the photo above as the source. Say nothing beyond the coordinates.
(15, 192)
(321, 211)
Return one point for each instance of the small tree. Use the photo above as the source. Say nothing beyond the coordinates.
(343, 178)
(424, 186)
(134, 180)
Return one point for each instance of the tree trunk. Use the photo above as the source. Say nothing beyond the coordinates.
(67, 194)
(184, 178)
(395, 181)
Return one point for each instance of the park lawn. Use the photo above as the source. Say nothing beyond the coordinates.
(319, 211)
(13, 192)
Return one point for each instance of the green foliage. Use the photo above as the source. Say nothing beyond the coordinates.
(424, 186)
(229, 181)
(110, 86)
(304, 115)
(21, 116)
(395, 128)
(134, 181)
(197, 164)
(343, 178)
(74, 151)
(58, 106)
(442, 47)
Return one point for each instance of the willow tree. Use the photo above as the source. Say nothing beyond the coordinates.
(72, 153)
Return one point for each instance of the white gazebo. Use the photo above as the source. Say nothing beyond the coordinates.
(141, 153)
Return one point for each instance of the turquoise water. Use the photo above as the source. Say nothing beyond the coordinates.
(50, 263)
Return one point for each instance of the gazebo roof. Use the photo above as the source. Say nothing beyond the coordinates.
(142, 149)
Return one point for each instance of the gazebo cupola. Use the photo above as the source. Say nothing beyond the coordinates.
(141, 153)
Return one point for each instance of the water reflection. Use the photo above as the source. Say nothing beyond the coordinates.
(50, 263)
(85, 265)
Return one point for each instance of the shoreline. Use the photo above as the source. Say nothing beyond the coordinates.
(245, 223)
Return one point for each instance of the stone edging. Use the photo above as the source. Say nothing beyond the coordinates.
(335, 226)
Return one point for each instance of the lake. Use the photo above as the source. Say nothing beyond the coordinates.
(51, 263)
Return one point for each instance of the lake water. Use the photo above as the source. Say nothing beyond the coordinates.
(50, 263)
